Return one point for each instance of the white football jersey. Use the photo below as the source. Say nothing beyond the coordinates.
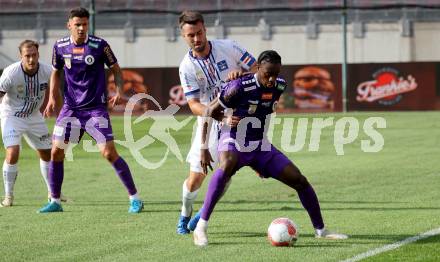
(24, 93)
(202, 77)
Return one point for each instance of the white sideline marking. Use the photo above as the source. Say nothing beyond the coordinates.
(396, 245)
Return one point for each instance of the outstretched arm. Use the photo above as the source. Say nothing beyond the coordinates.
(214, 108)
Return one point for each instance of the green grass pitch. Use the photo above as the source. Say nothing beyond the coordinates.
(376, 198)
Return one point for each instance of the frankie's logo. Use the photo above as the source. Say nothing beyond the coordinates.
(387, 88)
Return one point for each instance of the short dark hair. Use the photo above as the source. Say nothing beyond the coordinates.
(190, 17)
(79, 12)
(270, 56)
(28, 43)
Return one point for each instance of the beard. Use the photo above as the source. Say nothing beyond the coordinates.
(199, 48)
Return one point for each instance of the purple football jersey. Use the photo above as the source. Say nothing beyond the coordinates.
(83, 64)
(251, 102)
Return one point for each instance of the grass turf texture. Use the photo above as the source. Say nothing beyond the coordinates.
(376, 198)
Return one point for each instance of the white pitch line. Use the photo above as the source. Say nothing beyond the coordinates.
(389, 247)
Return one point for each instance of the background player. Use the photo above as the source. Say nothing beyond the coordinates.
(23, 86)
(253, 98)
(202, 70)
(85, 104)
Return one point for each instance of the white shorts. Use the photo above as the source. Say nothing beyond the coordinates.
(33, 128)
(193, 157)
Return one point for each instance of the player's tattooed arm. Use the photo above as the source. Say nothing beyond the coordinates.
(119, 83)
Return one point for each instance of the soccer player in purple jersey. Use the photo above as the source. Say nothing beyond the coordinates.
(253, 98)
(83, 57)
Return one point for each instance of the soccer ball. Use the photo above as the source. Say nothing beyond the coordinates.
(282, 232)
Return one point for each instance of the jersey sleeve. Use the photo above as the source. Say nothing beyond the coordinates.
(243, 57)
(230, 93)
(5, 82)
(188, 82)
(109, 56)
(57, 58)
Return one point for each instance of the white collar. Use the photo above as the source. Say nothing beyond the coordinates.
(85, 42)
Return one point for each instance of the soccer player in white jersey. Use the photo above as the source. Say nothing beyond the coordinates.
(23, 86)
(204, 68)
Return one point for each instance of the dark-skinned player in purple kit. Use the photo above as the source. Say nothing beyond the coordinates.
(253, 98)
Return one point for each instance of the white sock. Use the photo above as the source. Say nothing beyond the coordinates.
(9, 176)
(134, 197)
(44, 169)
(202, 225)
(319, 231)
(57, 200)
(188, 199)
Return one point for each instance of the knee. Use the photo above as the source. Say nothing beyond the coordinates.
(45, 155)
(293, 177)
(12, 154)
(194, 181)
(228, 167)
(110, 154)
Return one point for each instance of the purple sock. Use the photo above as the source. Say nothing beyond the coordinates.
(310, 202)
(55, 177)
(215, 189)
(124, 174)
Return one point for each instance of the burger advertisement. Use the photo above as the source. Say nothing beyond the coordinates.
(314, 88)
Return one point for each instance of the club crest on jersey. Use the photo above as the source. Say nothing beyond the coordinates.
(222, 65)
(266, 96)
(68, 62)
(20, 88)
(199, 76)
(89, 60)
(252, 109)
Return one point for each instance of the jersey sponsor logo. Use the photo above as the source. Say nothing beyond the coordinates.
(78, 57)
(94, 45)
(43, 86)
(78, 50)
(222, 65)
(252, 109)
(266, 104)
(68, 62)
(253, 102)
(250, 88)
(20, 88)
(89, 60)
(266, 96)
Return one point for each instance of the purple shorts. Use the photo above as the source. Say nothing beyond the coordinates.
(266, 159)
(71, 125)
